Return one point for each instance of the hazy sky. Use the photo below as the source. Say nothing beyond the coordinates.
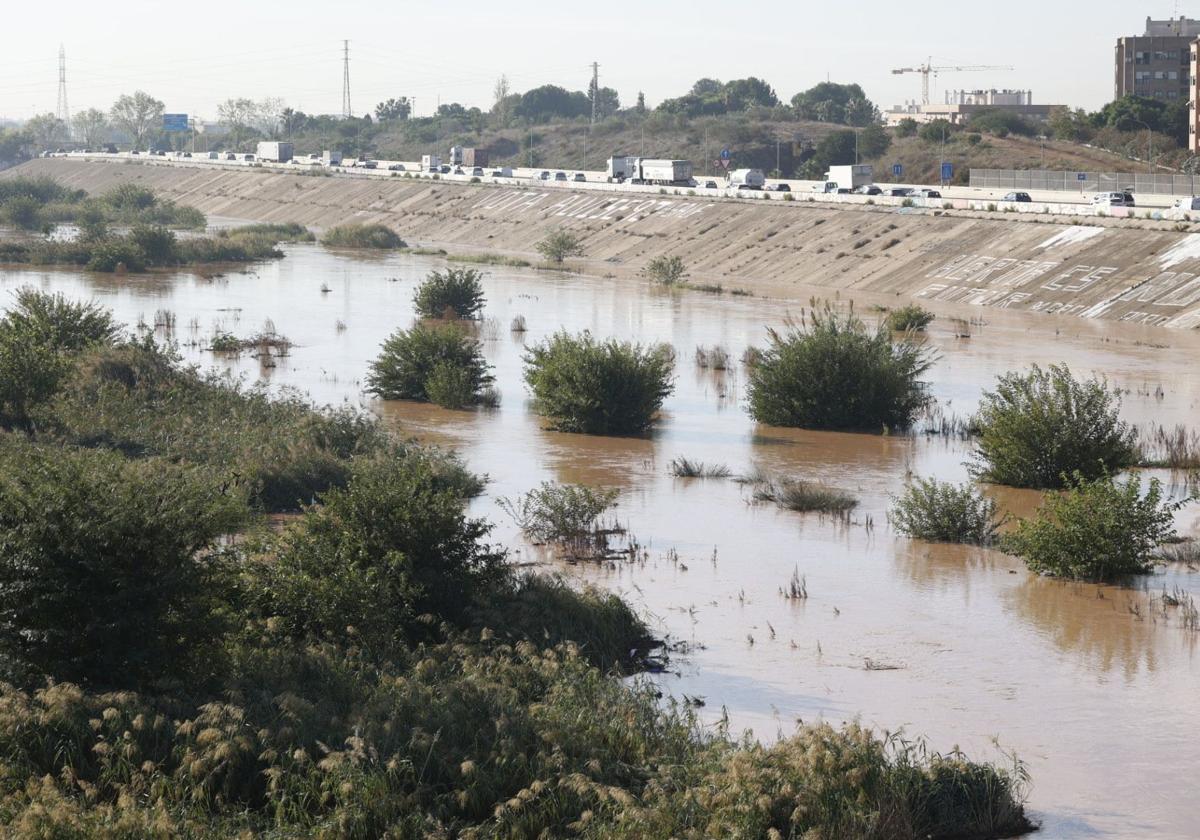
(194, 55)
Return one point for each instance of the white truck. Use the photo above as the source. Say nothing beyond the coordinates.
(620, 168)
(273, 150)
(456, 156)
(748, 179)
(331, 158)
(849, 177)
(662, 173)
(431, 163)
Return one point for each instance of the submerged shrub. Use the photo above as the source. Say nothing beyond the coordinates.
(109, 571)
(116, 255)
(1038, 428)
(601, 388)
(804, 496)
(22, 212)
(443, 356)
(356, 235)
(911, 318)
(831, 372)
(453, 293)
(939, 511)
(1097, 529)
(559, 512)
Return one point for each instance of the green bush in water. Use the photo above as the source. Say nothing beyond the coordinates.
(1038, 428)
(428, 363)
(354, 235)
(830, 371)
(939, 511)
(454, 293)
(596, 387)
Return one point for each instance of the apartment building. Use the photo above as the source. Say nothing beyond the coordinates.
(1157, 64)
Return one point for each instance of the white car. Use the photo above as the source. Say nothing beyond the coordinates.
(1113, 199)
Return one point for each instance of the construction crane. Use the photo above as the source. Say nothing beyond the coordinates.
(927, 68)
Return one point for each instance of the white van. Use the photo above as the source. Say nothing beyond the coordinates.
(1187, 204)
(1113, 199)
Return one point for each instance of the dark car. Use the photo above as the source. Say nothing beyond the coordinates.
(110, 149)
(396, 167)
(869, 189)
(778, 187)
(710, 185)
(1017, 196)
(928, 193)
(900, 192)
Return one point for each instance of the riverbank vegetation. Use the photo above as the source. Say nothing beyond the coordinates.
(1037, 429)
(560, 245)
(372, 237)
(453, 293)
(1096, 529)
(431, 362)
(373, 667)
(910, 318)
(41, 203)
(938, 511)
(830, 371)
(595, 387)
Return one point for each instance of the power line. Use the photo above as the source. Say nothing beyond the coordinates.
(346, 79)
(63, 112)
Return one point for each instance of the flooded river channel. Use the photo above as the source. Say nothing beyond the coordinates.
(1096, 689)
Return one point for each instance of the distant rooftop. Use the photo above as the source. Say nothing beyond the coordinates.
(1180, 26)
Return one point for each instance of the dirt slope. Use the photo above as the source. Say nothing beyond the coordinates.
(1142, 272)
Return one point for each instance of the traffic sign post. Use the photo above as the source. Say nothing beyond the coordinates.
(726, 154)
(897, 170)
(175, 122)
(947, 173)
(1081, 177)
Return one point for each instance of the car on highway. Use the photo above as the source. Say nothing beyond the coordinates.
(1113, 199)
(230, 156)
(477, 172)
(542, 176)
(248, 158)
(710, 185)
(778, 188)
(458, 170)
(579, 176)
(369, 164)
(560, 176)
(214, 155)
(502, 172)
(1187, 204)
(900, 192)
(444, 169)
(110, 149)
(926, 192)
(869, 189)
(396, 167)
(1022, 197)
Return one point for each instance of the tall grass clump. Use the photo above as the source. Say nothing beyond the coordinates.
(365, 236)
(804, 496)
(910, 318)
(454, 293)
(1039, 428)
(1096, 529)
(559, 513)
(829, 371)
(598, 387)
(1176, 448)
(682, 467)
(437, 363)
(939, 511)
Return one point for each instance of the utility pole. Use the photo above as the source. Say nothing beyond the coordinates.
(346, 79)
(531, 146)
(707, 159)
(595, 88)
(778, 173)
(63, 112)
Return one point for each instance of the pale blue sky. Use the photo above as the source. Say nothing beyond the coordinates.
(194, 55)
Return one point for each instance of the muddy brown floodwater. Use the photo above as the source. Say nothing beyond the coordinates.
(1092, 687)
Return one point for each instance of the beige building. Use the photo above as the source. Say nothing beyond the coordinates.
(1157, 64)
(961, 105)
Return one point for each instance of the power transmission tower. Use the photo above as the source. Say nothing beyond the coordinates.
(595, 88)
(346, 79)
(63, 113)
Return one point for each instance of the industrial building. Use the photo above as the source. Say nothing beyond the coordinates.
(1157, 64)
(961, 105)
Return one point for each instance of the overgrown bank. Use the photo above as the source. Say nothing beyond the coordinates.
(375, 668)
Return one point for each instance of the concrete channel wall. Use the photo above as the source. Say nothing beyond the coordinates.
(1043, 260)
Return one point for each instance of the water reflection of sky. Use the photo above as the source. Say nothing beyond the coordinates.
(1091, 694)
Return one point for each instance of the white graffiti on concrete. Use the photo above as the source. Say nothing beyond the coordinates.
(591, 207)
(1071, 236)
(1185, 249)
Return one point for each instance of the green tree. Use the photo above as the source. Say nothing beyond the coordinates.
(873, 141)
(907, 127)
(47, 130)
(110, 570)
(837, 103)
(91, 126)
(666, 271)
(238, 115)
(453, 293)
(559, 245)
(502, 104)
(1065, 124)
(138, 115)
(443, 356)
(640, 107)
(393, 109)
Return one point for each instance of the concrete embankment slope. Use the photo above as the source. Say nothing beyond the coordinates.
(1124, 269)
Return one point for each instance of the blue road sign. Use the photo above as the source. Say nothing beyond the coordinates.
(724, 154)
(947, 171)
(897, 170)
(175, 122)
(1080, 176)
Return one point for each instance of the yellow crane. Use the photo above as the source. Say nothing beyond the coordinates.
(927, 68)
